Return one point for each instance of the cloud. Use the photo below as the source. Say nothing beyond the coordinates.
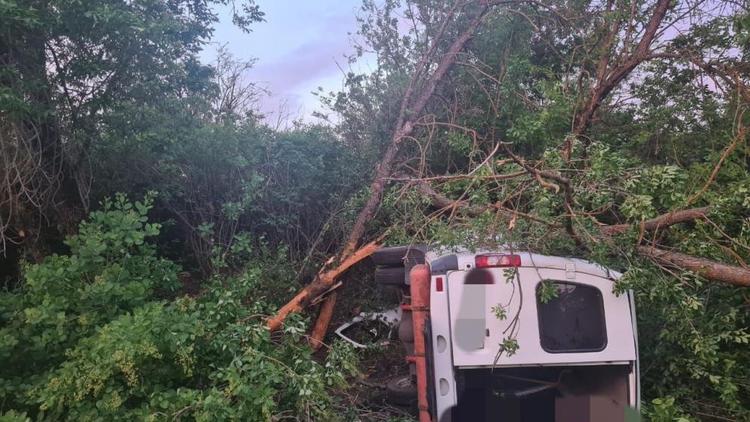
(308, 62)
(291, 76)
(296, 50)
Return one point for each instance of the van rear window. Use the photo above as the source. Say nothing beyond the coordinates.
(571, 317)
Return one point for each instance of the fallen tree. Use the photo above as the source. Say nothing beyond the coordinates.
(486, 165)
(429, 71)
(416, 97)
(711, 270)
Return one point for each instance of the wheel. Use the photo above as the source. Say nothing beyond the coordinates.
(401, 390)
(390, 276)
(396, 255)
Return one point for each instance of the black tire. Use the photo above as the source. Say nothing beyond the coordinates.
(390, 276)
(401, 390)
(396, 255)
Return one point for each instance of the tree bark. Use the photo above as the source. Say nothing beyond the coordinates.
(711, 270)
(321, 324)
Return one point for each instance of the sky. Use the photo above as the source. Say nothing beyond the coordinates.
(301, 46)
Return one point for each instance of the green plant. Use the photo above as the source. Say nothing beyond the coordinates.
(546, 291)
(98, 334)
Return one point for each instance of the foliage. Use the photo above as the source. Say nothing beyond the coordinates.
(109, 96)
(93, 335)
(220, 180)
(111, 270)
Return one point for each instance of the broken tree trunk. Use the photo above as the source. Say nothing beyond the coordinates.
(412, 106)
(322, 282)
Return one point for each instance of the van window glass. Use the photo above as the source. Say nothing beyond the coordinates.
(571, 317)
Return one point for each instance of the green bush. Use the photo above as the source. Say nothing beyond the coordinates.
(93, 335)
(110, 271)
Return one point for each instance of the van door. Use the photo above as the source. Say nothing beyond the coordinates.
(585, 323)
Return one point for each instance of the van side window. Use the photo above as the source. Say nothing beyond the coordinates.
(571, 318)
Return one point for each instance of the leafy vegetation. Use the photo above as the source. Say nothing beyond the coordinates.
(562, 128)
(99, 334)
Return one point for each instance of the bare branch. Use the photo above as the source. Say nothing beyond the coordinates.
(609, 79)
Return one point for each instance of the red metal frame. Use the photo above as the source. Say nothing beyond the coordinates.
(419, 279)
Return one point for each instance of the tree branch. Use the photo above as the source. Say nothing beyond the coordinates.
(321, 283)
(569, 201)
(608, 81)
(441, 201)
(659, 222)
(711, 270)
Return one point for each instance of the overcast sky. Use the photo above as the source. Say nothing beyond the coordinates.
(297, 50)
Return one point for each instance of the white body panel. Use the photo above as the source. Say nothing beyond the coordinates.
(442, 351)
(620, 345)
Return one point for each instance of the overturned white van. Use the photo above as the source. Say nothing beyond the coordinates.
(517, 336)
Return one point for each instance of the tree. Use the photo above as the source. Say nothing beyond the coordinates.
(72, 71)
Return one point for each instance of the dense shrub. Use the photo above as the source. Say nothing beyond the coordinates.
(97, 333)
